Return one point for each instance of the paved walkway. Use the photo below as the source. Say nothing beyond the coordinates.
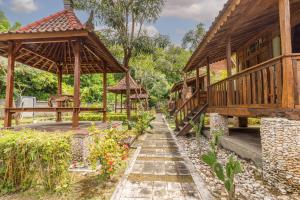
(159, 170)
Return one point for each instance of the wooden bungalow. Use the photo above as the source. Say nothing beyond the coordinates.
(62, 45)
(121, 88)
(176, 92)
(264, 36)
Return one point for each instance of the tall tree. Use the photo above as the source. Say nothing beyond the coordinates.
(5, 24)
(193, 37)
(127, 18)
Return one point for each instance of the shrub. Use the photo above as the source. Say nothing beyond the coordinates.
(108, 151)
(99, 117)
(29, 158)
(232, 166)
(198, 127)
(144, 120)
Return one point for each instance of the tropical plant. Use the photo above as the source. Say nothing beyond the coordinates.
(30, 158)
(107, 150)
(225, 173)
(197, 127)
(193, 37)
(143, 122)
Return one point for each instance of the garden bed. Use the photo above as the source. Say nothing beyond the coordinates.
(249, 185)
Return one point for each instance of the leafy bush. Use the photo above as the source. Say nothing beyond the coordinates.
(107, 150)
(29, 158)
(198, 129)
(232, 166)
(99, 117)
(144, 120)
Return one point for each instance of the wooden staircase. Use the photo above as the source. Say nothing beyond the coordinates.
(190, 110)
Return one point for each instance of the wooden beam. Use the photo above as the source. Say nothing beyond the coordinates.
(105, 97)
(9, 84)
(59, 91)
(40, 37)
(288, 93)
(76, 85)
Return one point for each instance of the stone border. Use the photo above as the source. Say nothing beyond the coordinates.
(119, 189)
(201, 185)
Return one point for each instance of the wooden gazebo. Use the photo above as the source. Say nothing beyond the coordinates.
(58, 44)
(121, 88)
(139, 98)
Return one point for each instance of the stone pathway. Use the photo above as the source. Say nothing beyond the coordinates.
(159, 170)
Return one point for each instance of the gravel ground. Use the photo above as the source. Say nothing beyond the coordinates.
(249, 185)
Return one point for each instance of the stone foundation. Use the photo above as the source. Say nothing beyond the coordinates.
(281, 153)
(218, 123)
(80, 147)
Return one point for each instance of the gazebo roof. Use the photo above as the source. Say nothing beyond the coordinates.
(48, 43)
(120, 88)
(139, 96)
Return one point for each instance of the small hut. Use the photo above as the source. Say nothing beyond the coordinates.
(62, 45)
(139, 98)
(136, 91)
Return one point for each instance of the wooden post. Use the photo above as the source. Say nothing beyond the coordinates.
(121, 103)
(288, 93)
(59, 91)
(229, 71)
(9, 85)
(116, 102)
(77, 67)
(104, 97)
(128, 95)
(198, 85)
(208, 77)
(228, 57)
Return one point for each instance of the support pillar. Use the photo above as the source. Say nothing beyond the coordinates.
(280, 139)
(59, 91)
(288, 93)
(240, 122)
(116, 102)
(128, 95)
(104, 97)
(9, 84)
(208, 79)
(121, 103)
(229, 72)
(77, 67)
(218, 123)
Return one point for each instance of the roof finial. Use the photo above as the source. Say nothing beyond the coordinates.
(68, 4)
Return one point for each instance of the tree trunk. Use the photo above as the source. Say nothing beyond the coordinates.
(126, 65)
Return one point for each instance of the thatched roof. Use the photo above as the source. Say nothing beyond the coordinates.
(139, 96)
(120, 88)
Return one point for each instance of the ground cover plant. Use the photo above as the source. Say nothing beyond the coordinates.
(34, 159)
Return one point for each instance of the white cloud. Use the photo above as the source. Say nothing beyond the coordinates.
(199, 10)
(150, 30)
(26, 6)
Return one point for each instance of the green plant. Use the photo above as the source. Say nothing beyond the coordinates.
(143, 122)
(232, 166)
(30, 158)
(198, 130)
(107, 150)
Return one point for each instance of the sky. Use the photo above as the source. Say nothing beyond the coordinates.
(177, 17)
